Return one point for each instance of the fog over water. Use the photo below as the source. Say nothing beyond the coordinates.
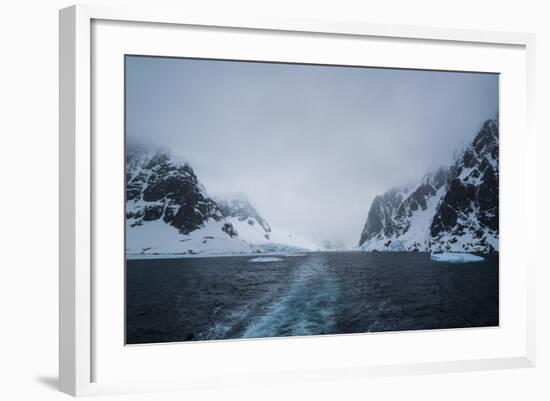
(310, 146)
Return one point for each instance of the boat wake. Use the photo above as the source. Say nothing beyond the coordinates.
(307, 308)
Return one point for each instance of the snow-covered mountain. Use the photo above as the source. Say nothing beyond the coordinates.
(169, 211)
(379, 220)
(467, 216)
(400, 220)
(243, 216)
(452, 209)
(159, 187)
(254, 229)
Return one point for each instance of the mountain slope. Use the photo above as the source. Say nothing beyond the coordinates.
(245, 218)
(453, 209)
(169, 211)
(158, 187)
(407, 228)
(380, 215)
(467, 218)
(254, 229)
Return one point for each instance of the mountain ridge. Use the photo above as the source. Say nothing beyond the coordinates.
(453, 209)
(169, 211)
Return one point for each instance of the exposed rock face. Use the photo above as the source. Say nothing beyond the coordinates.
(453, 209)
(467, 216)
(381, 213)
(158, 187)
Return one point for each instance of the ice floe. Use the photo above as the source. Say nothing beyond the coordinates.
(262, 259)
(457, 257)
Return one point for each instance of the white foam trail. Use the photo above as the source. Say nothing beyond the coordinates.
(307, 308)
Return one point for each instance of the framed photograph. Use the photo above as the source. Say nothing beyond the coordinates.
(278, 200)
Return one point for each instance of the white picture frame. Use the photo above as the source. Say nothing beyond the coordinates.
(79, 222)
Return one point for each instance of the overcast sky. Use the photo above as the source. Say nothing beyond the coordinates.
(310, 146)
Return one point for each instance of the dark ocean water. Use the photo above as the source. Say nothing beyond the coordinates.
(317, 293)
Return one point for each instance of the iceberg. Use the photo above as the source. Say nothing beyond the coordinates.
(455, 257)
(265, 259)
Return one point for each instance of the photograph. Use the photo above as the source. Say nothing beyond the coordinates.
(273, 199)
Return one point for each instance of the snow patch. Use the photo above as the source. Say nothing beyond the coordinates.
(159, 238)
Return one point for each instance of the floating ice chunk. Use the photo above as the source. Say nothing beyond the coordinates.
(455, 257)
(265, 259)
